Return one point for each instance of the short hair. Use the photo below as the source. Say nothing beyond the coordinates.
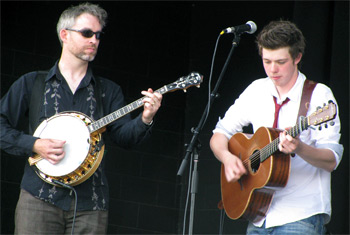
(279, 34)
(68, 17)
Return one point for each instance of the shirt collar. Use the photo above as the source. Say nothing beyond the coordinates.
(55, 72)
(294, 94)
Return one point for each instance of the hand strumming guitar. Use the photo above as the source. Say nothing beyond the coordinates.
(234, 167)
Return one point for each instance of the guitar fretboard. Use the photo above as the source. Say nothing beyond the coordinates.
(271, 148)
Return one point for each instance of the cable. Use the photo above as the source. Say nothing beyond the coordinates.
(75, 203)
(210, 77)
(222, 220)
(207, 113)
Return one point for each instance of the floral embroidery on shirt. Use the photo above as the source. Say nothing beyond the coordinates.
(52, 191)
(40, 192)
(91, 99)
(47, 91)
(55, 85)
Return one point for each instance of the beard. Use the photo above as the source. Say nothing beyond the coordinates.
(80, 52)
(86, 57)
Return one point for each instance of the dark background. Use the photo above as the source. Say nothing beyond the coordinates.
(150, 44)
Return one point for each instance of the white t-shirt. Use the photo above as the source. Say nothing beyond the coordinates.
(308, 190)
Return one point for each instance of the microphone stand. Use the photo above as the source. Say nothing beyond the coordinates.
(192, 148)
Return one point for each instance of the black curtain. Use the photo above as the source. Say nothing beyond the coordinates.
(326, 26)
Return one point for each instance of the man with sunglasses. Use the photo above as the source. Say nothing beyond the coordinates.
(70, 85)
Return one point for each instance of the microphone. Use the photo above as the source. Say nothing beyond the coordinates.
(249, 27)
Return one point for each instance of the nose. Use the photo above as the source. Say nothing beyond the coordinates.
(93, 39)
(274, 68)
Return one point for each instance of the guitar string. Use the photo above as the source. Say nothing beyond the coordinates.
(272, 147)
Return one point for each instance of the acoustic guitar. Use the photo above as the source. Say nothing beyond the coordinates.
(249, 198)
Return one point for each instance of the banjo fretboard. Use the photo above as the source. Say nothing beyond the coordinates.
(121, 112)
(194, 79)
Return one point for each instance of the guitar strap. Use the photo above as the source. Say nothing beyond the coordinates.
(306, 97)
(36, 99)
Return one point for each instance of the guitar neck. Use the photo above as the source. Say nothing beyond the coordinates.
(121, 112)
(271, 148)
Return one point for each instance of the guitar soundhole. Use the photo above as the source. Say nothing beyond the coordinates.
(255, 161)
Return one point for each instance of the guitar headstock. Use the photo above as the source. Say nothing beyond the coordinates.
(323, 114)
(193, 79)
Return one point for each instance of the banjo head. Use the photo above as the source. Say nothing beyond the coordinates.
(73, 130)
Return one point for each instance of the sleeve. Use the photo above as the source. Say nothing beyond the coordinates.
(125, 131)
(238, 115)
(328, 136)
(13, 117)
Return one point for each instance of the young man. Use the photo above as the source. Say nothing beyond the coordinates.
(307, 196)
(70, 85)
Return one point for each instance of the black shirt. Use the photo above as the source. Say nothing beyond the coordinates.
(125, 132)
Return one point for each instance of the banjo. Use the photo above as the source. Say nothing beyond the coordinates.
(83, 148)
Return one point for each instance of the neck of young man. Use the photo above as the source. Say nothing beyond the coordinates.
(283, 89)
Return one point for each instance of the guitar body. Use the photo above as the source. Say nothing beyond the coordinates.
(249, 198)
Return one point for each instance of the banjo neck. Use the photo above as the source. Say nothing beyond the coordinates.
(99, 124)
(193, 79)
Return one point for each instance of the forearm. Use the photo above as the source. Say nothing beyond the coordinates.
(219, 146)
(16, 143)
(318, 157)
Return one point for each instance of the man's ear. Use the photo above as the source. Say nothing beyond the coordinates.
(63, 35)
(298, 58)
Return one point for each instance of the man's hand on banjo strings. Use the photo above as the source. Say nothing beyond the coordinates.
(50, 149)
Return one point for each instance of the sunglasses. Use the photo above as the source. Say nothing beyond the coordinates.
(87, 33)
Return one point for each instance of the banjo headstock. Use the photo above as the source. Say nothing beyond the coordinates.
(193, 79)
